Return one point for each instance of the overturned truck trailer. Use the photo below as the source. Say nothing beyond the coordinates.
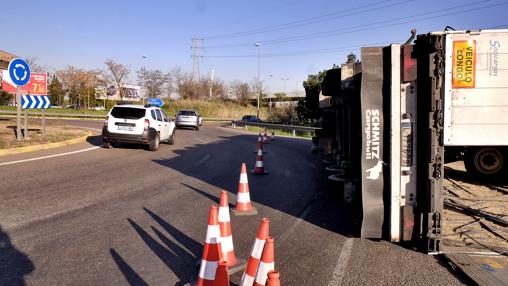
(395, 112)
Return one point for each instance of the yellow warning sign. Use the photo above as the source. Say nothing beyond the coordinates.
(464, 64)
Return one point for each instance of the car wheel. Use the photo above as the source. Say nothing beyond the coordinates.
(171, 139)
(154, 144)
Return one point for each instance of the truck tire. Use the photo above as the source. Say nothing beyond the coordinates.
(487, 163)
(154, 143)
(171, 139)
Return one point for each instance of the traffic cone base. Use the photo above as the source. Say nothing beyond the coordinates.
(252, 211)
(254, 172)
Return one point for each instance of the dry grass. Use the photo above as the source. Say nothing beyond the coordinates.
(213, 109)
(54, 134)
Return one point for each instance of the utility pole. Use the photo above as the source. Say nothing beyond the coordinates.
(211, 86)
(259, 84)
(196, 55)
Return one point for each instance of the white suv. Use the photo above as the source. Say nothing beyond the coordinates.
(138, 124)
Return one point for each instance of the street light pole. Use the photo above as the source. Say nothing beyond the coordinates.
(284, 79)
(270, 104)
(259, 86)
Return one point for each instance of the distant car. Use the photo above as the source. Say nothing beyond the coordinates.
(251, 118)
(98, 107)
(140, 124)
(188, 118)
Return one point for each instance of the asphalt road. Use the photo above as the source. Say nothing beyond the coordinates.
(127, 216)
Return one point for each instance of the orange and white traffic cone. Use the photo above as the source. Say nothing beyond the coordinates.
(259, 145)
(212, 252)
(222, 275)
(273, 136)
(249, 274)
(259, 168)
(265, 139)
(266, 264)
(243, 203)
(273, 278)
(226, 235)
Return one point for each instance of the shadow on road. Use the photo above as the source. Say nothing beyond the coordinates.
(294, 183)
(14, 265)
(130, 275)
(95, 140)
(180, 260)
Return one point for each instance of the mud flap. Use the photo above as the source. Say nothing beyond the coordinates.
(372, 167)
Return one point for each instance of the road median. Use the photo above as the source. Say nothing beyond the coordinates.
(57, 136)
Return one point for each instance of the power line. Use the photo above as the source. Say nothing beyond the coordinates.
(317, 19)
(306, 52)
(376, 25)
(379, 24)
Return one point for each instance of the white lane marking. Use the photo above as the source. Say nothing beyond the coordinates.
(298, 221)
(200, 140)
(340, 268)
(49, 156)
(207, 156)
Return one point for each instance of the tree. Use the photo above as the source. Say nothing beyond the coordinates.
(78, 84)
(5, 97)
(351, 59)
(35, 67)
(153, 80)
(279, 95)
(242, 91)
(118, 73)
(307, 108)
(55, 91)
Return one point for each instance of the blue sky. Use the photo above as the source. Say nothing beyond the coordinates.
(85, 33)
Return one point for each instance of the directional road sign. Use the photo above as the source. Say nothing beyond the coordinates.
(19, 72)
(155, 101)
(35, 101)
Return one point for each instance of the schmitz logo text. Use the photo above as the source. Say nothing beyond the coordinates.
(372, 130)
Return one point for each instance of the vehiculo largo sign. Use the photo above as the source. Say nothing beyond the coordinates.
(464, 64)
(37, 84)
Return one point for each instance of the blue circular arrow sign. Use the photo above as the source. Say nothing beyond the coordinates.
(19, 71)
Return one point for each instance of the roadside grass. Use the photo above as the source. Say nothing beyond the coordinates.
(54, 133)
(213, 109)
(207, 109)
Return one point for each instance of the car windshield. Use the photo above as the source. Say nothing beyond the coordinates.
(128, 112)
(187, 112)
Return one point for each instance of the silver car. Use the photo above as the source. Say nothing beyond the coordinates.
(188, 118)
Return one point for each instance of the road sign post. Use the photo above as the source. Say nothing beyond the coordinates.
(44, 124)
(25, 133)
(18, 115)
(19, 74)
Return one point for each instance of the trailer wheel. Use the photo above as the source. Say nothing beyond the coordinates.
(485, 162)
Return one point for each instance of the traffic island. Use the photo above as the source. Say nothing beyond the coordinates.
(56, 136)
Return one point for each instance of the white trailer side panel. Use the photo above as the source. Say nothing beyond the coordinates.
(476, 88)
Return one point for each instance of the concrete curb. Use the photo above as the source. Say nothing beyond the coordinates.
(25, 149)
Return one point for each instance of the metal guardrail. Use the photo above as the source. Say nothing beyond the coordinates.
(292, 128)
